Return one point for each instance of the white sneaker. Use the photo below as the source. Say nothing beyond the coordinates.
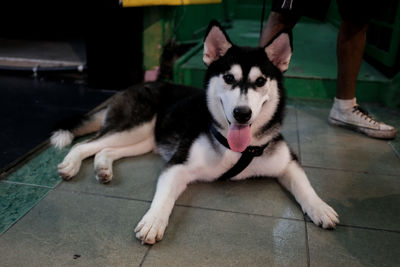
(348, 114)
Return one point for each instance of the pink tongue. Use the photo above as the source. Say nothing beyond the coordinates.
(239, 137)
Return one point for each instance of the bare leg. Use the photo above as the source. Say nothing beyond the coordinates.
(344, 112)
(104, 159)
(276, 22)
(295, 181)
(350, 50)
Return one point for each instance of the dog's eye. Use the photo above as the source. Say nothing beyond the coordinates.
(229, 79)
(260, 81)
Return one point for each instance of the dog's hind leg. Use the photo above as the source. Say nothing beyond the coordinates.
(77, 127)
(72, 162)
(104, 159)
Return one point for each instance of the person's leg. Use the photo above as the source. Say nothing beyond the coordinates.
(345, 111)
(350, 49)
(276, 23)
(351, 41)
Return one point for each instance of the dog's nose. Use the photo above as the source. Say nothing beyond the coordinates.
(242, 114)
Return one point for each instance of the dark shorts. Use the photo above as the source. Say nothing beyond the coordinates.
(357, 11)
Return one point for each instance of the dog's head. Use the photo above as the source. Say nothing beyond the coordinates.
(244, 84)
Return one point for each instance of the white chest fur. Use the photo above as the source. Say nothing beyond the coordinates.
(207, 162)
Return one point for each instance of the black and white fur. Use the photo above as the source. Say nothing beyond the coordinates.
(175, 122)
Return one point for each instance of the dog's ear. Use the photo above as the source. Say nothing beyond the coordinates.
(216, 43)
(279, 50)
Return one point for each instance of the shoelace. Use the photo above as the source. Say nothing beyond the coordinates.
(364, 114)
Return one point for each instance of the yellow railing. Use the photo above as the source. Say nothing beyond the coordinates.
(133, 3)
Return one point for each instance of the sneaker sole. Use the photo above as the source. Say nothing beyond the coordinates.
(380, 134)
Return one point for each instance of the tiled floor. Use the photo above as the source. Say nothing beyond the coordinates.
(247, 223)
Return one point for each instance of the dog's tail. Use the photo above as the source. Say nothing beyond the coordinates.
(77, 126)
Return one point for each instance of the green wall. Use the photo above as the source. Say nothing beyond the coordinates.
(182, 23)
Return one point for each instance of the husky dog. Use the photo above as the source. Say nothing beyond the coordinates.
(230, 130)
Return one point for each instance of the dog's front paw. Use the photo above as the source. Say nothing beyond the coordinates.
(103, 174)
(69, 168)
(151, 228)
(103, 167)
(321, 214)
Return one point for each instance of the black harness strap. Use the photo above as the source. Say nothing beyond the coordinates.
(242, 163)
(247, 155)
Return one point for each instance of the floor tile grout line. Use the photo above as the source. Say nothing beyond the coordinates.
(240, 213)
(55, 188)
(31, 206)
(307, 220)
(221, 210)
(368, 228)
(27, 184)
(397, 153)
(390, 142)
(101, 195)
(23, 215)
(307, 243)
(345, 170)
(145, 256)
(180, 205)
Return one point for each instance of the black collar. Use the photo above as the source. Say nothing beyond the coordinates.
(254, 151)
